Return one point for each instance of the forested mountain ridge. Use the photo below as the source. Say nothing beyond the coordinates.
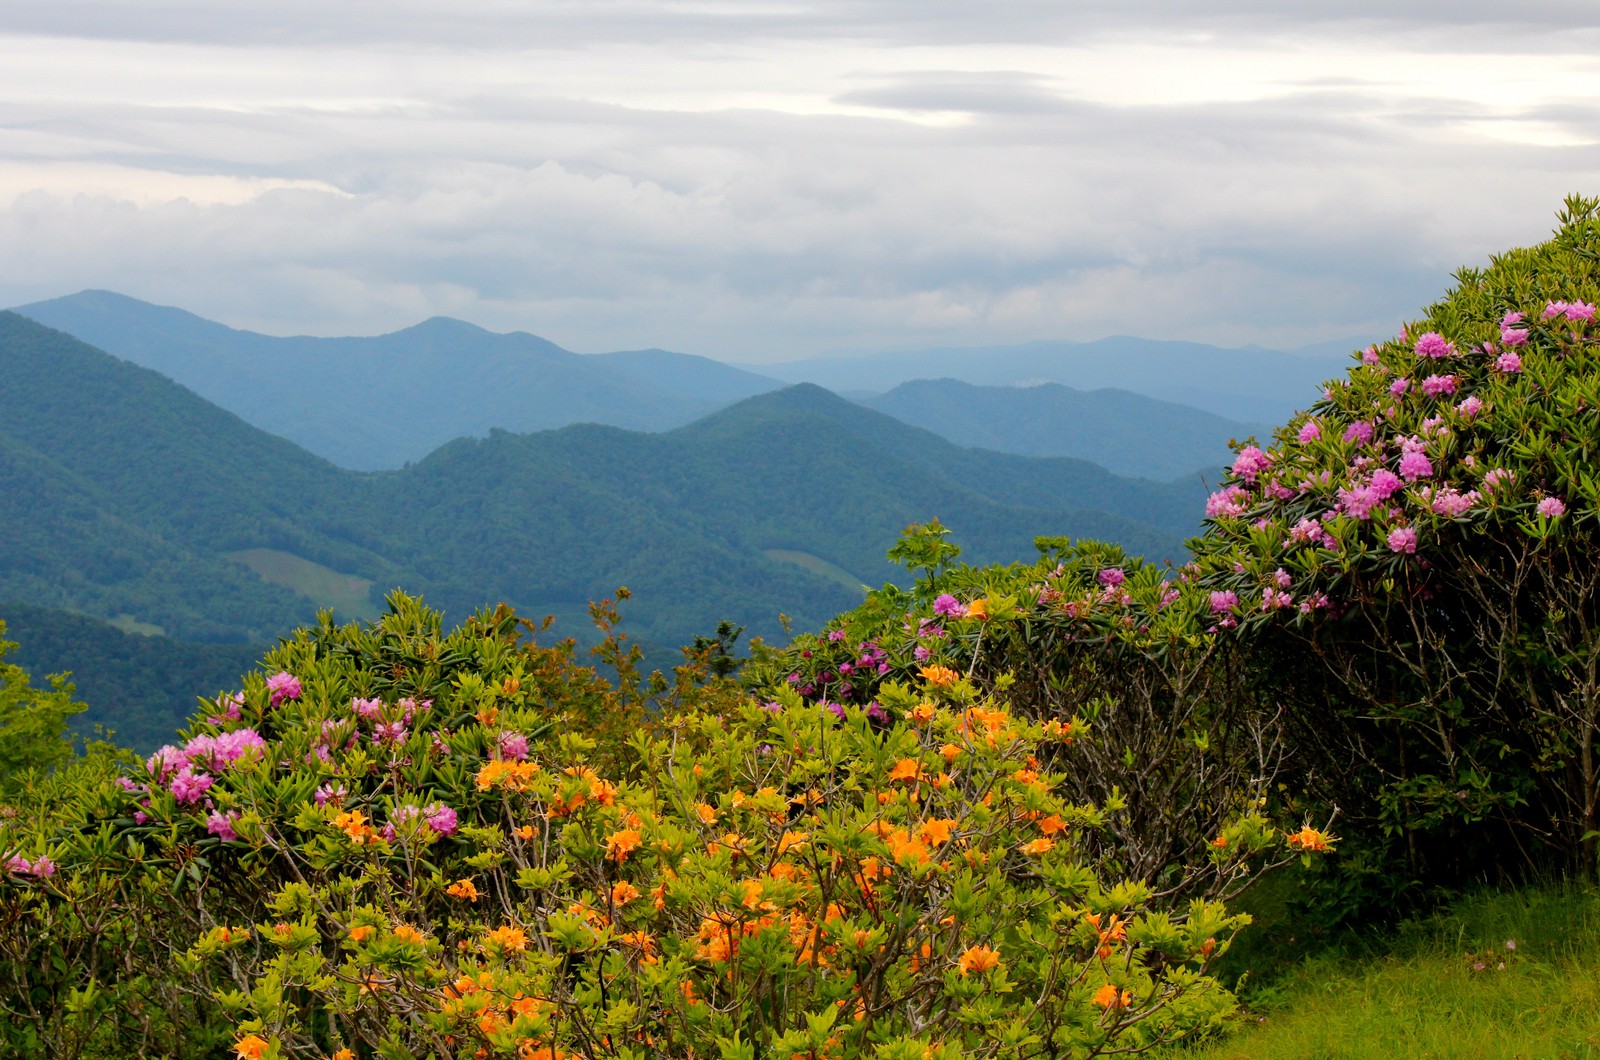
(377, 402)
(1124, 432)
(132, 499)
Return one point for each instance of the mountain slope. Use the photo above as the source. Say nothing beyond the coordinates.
(1126, 433)
(133, 498)
(379, 402)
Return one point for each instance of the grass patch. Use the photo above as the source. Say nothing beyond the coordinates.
(129, 624)
(349, 596)
(817, 565)
(1512, 975)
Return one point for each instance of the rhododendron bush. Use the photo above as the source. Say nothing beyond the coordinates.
(404, 843)
(1427, 533)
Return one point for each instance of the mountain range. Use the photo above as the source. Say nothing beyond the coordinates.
(381, 402)
(133, 499)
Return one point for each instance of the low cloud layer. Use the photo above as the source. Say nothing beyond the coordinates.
(762, 181)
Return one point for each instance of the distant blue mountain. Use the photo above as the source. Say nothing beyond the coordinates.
(1250, 385)
(381, 402)
(1125, 433)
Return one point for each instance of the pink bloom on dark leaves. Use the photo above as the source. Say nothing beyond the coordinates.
(1111, 577)
(221, 825)
(1554, 309)
(1310, 431)
(1438, 385)
(1552, 507)
(331, 792)
(1223, 601)
(1275, 599)
(1250, 462)
(1384, 483)
(1577, 311)
(1508, 362)
(1369, 355)
(1433, 344)
(949, 606)
(1494, 478)
(1513, 336)
(370, 709)
(1232, 501)
(1400, 386)
(1359, 432)
(441, 818)
(1403, 539)
(283, 685)
(189, 787)
(1414, 464)
(514, 746)
(1453, 503)
(1470, 406)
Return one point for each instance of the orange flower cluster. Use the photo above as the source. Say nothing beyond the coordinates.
(979, 959)
(463, 889)
(939, 676)
(1310, 840)
(505, 773)
(1109, 997)
(353, 823)
(1115, 930)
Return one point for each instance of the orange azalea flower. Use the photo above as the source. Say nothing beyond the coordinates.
(791, 840)
(922, 713)
(407, 933)
(939, 676)
(623, 892)
(979, 959)
(620, 844)
(906, 769)
(1052, 824)
(1038, 846)
(353, 823)
(1109, 996)
(1222, 841)
(361, 932)
(979, 609)
(706, 813)
(525, 832)
(463, 889)
(344, 1054)
(936, 830)
(508, 937)
(950, 751)
(1311, 840)
(250, 1047)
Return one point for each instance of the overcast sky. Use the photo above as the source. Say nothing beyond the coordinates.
(764, 180)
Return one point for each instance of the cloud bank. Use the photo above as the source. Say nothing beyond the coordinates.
(759, 181)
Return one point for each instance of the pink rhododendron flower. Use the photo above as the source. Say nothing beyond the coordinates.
(1250, 462)
(1552, 507)
(1112, 577)
(441, 818)
(389, 732)
(514, 745)
(1403, 539)
(1310, 431)
(1414, 464)
(1470, 406)
(1453, 503)
(220, 824)
(1278, 490)
(331, 792)
(1169, 595)
(1437, 385)
(1508, 362)
(1384, 483)
(167, 760)
(949, 606)
(1315, 602)
(1223, 601)
(1307, 531)
(1281, 578)
(283, 685)
(1577, 311)
(836, 635)
(1400, 386)
(370, 709)
(189, 787)
(1369, 355)
(1359, 502)
(1433, 344)
(230, 706)
(1513, 336)
(1494, 478)
(1275, 599)
(1359, 432)
(1232, 501)
(1554, 309)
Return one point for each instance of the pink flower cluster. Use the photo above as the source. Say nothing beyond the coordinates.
(283, 685)
(42, 868)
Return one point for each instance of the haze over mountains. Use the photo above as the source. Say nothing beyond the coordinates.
(384, 401)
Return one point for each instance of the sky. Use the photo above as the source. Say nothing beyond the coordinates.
(759, 181)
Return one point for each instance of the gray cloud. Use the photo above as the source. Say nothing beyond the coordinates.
(981, 201)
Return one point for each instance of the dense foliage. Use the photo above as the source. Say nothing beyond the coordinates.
(1424, 539)
(402, 840)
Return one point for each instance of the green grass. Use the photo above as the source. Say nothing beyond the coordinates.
(1447, 987)
(344, 593)
(817, 565)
